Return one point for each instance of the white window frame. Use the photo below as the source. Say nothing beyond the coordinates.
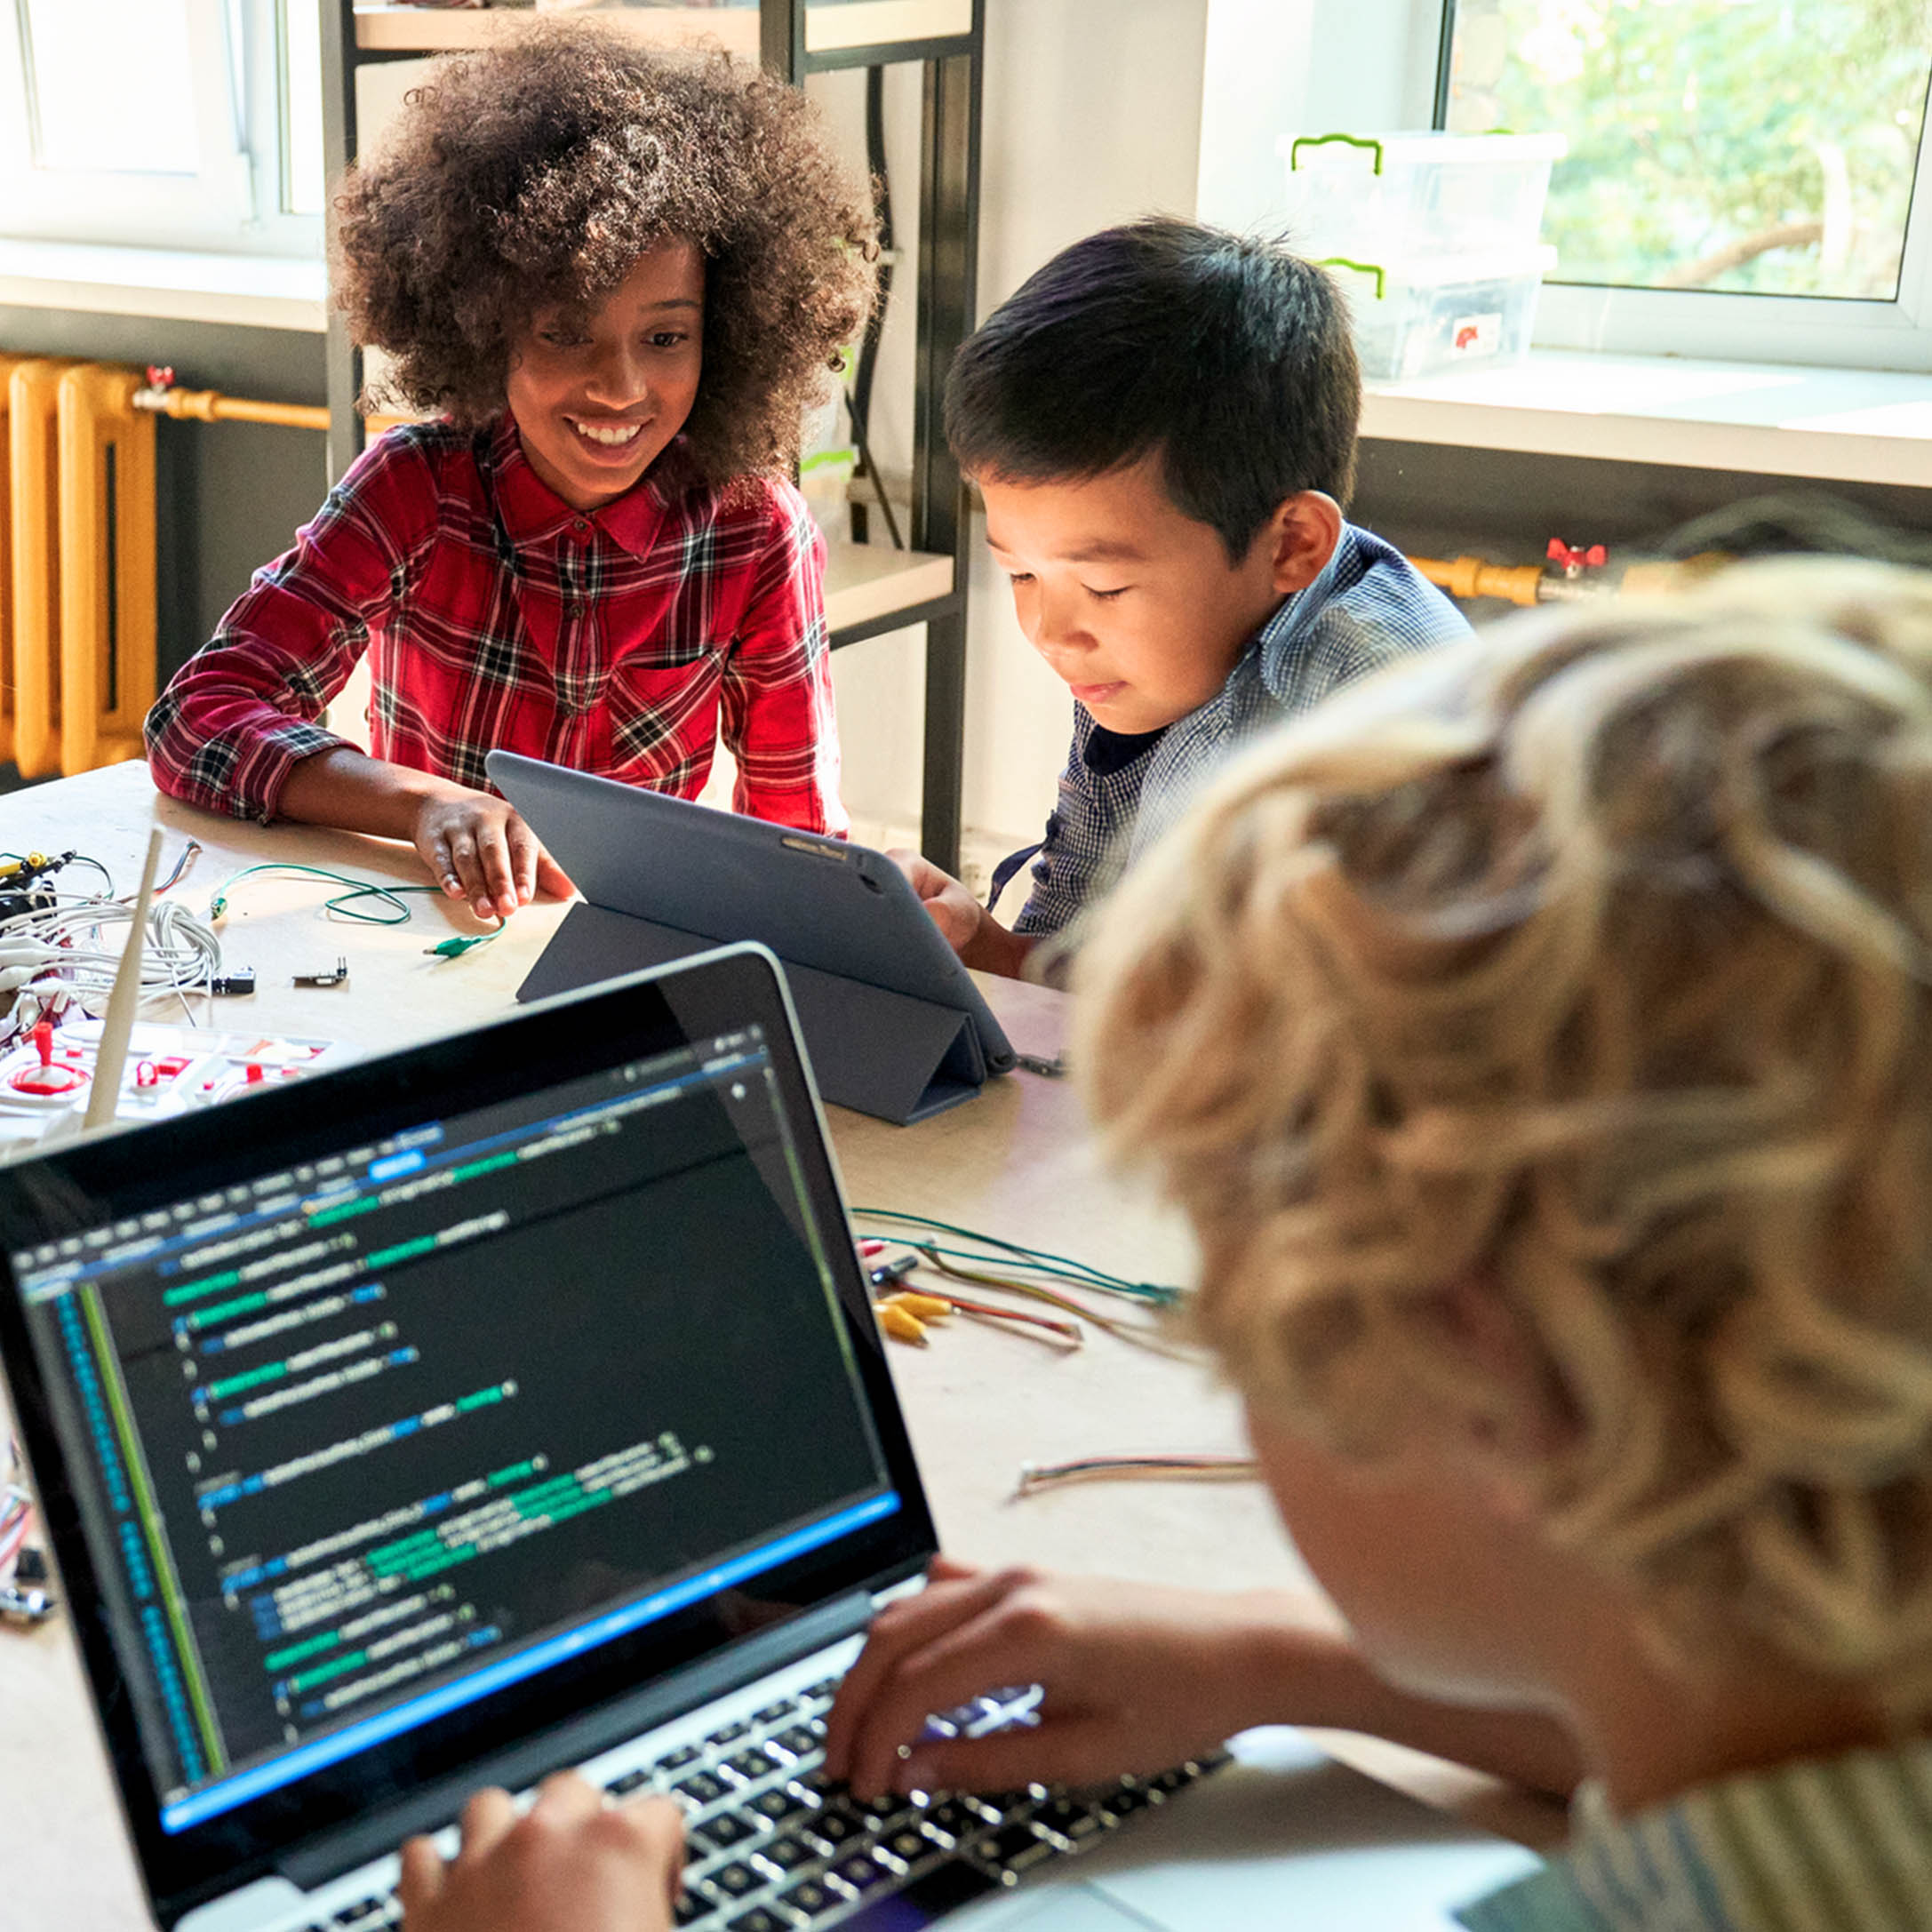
(1828, 330)
(232, 205)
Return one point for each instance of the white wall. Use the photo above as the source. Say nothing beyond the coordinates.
(1304, 67)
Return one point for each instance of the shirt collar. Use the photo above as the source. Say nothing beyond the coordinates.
(535, 514)
(1278, 644)
(1700, 1863)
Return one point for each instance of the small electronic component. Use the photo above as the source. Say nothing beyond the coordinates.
(925, 1307)
(240, 981)
(886, 1273)
(47, 1077)
(338, 975)
(24, 885)
(25, 1606)
(1039, 1063)
(901, 1324)
(905, 1316)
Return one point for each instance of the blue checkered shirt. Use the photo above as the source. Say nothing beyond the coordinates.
(1368, 608)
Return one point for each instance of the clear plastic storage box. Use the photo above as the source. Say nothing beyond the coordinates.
(1431, 313)
(1381, 198)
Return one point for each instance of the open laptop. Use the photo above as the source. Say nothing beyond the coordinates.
(894, 1023)
(507, 1403)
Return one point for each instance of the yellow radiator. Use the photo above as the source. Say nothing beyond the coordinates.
(78, 631)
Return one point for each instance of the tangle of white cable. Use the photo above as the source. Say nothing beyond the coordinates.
(182, 952)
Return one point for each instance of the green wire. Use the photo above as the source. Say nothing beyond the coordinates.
(1078, 1275)
(1042, 1258)
(342, 905)
(1037, 1260)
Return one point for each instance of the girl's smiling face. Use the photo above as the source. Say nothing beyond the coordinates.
(599, 393)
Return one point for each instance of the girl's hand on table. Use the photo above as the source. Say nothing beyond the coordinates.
(477, 848)
(570, 1863)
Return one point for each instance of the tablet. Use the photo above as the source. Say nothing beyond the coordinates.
(894, 1024)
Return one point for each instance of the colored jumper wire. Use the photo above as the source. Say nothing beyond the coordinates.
(339, 904)
(1009, 1256)
(1203, 1465)
(1140, 1334)
(904, 1315)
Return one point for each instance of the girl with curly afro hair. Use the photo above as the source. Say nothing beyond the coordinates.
(613, 280)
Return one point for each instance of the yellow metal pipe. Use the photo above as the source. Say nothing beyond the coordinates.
(209, 406)
(1471, 577)
(1531, 583)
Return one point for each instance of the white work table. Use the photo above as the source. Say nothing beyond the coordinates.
(1017, 1161)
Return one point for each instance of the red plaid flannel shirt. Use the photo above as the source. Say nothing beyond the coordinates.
(620, 642)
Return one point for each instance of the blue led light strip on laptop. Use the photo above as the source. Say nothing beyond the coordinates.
(247, 1785)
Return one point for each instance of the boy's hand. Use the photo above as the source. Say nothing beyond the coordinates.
(570, 1863)
(478, 847)
(1136, 1678)
(972, 932)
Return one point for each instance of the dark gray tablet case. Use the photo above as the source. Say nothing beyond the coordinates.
(894, 1024)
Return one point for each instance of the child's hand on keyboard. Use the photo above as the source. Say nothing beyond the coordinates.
(1135, 1677)
(570, 1863)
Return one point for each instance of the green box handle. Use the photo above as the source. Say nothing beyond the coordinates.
(1323, 140)
(1359, 267)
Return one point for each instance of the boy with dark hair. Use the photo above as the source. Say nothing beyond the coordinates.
(1161, 423)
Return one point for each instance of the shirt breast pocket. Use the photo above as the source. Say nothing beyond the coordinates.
(663, 710)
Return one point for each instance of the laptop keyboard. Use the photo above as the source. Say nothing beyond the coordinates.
(771, 1847)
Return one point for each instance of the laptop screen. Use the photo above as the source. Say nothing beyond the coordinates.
(454, 1400)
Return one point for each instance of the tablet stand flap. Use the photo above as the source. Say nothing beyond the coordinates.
(882, 1053)
(886, 1054)
(595, 943)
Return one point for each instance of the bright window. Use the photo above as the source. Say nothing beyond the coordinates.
(86, 114)
(300, 78)
(160, 124)
(1719, 150)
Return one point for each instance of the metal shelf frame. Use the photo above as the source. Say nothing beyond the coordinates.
(945, 277)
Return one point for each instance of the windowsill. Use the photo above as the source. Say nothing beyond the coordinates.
(259, 291)
(1779, 419)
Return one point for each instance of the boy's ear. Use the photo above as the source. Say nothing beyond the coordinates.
(1522, 1417)
(1301, 536)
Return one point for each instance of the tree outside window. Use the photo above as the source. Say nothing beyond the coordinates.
(1755, 146)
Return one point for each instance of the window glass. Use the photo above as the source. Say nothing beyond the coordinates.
(301, 107)
(110, 85)
(1766, 146)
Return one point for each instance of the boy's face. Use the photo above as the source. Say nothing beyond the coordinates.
(1450, 1594)
(1131, 602)
(598, 395)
